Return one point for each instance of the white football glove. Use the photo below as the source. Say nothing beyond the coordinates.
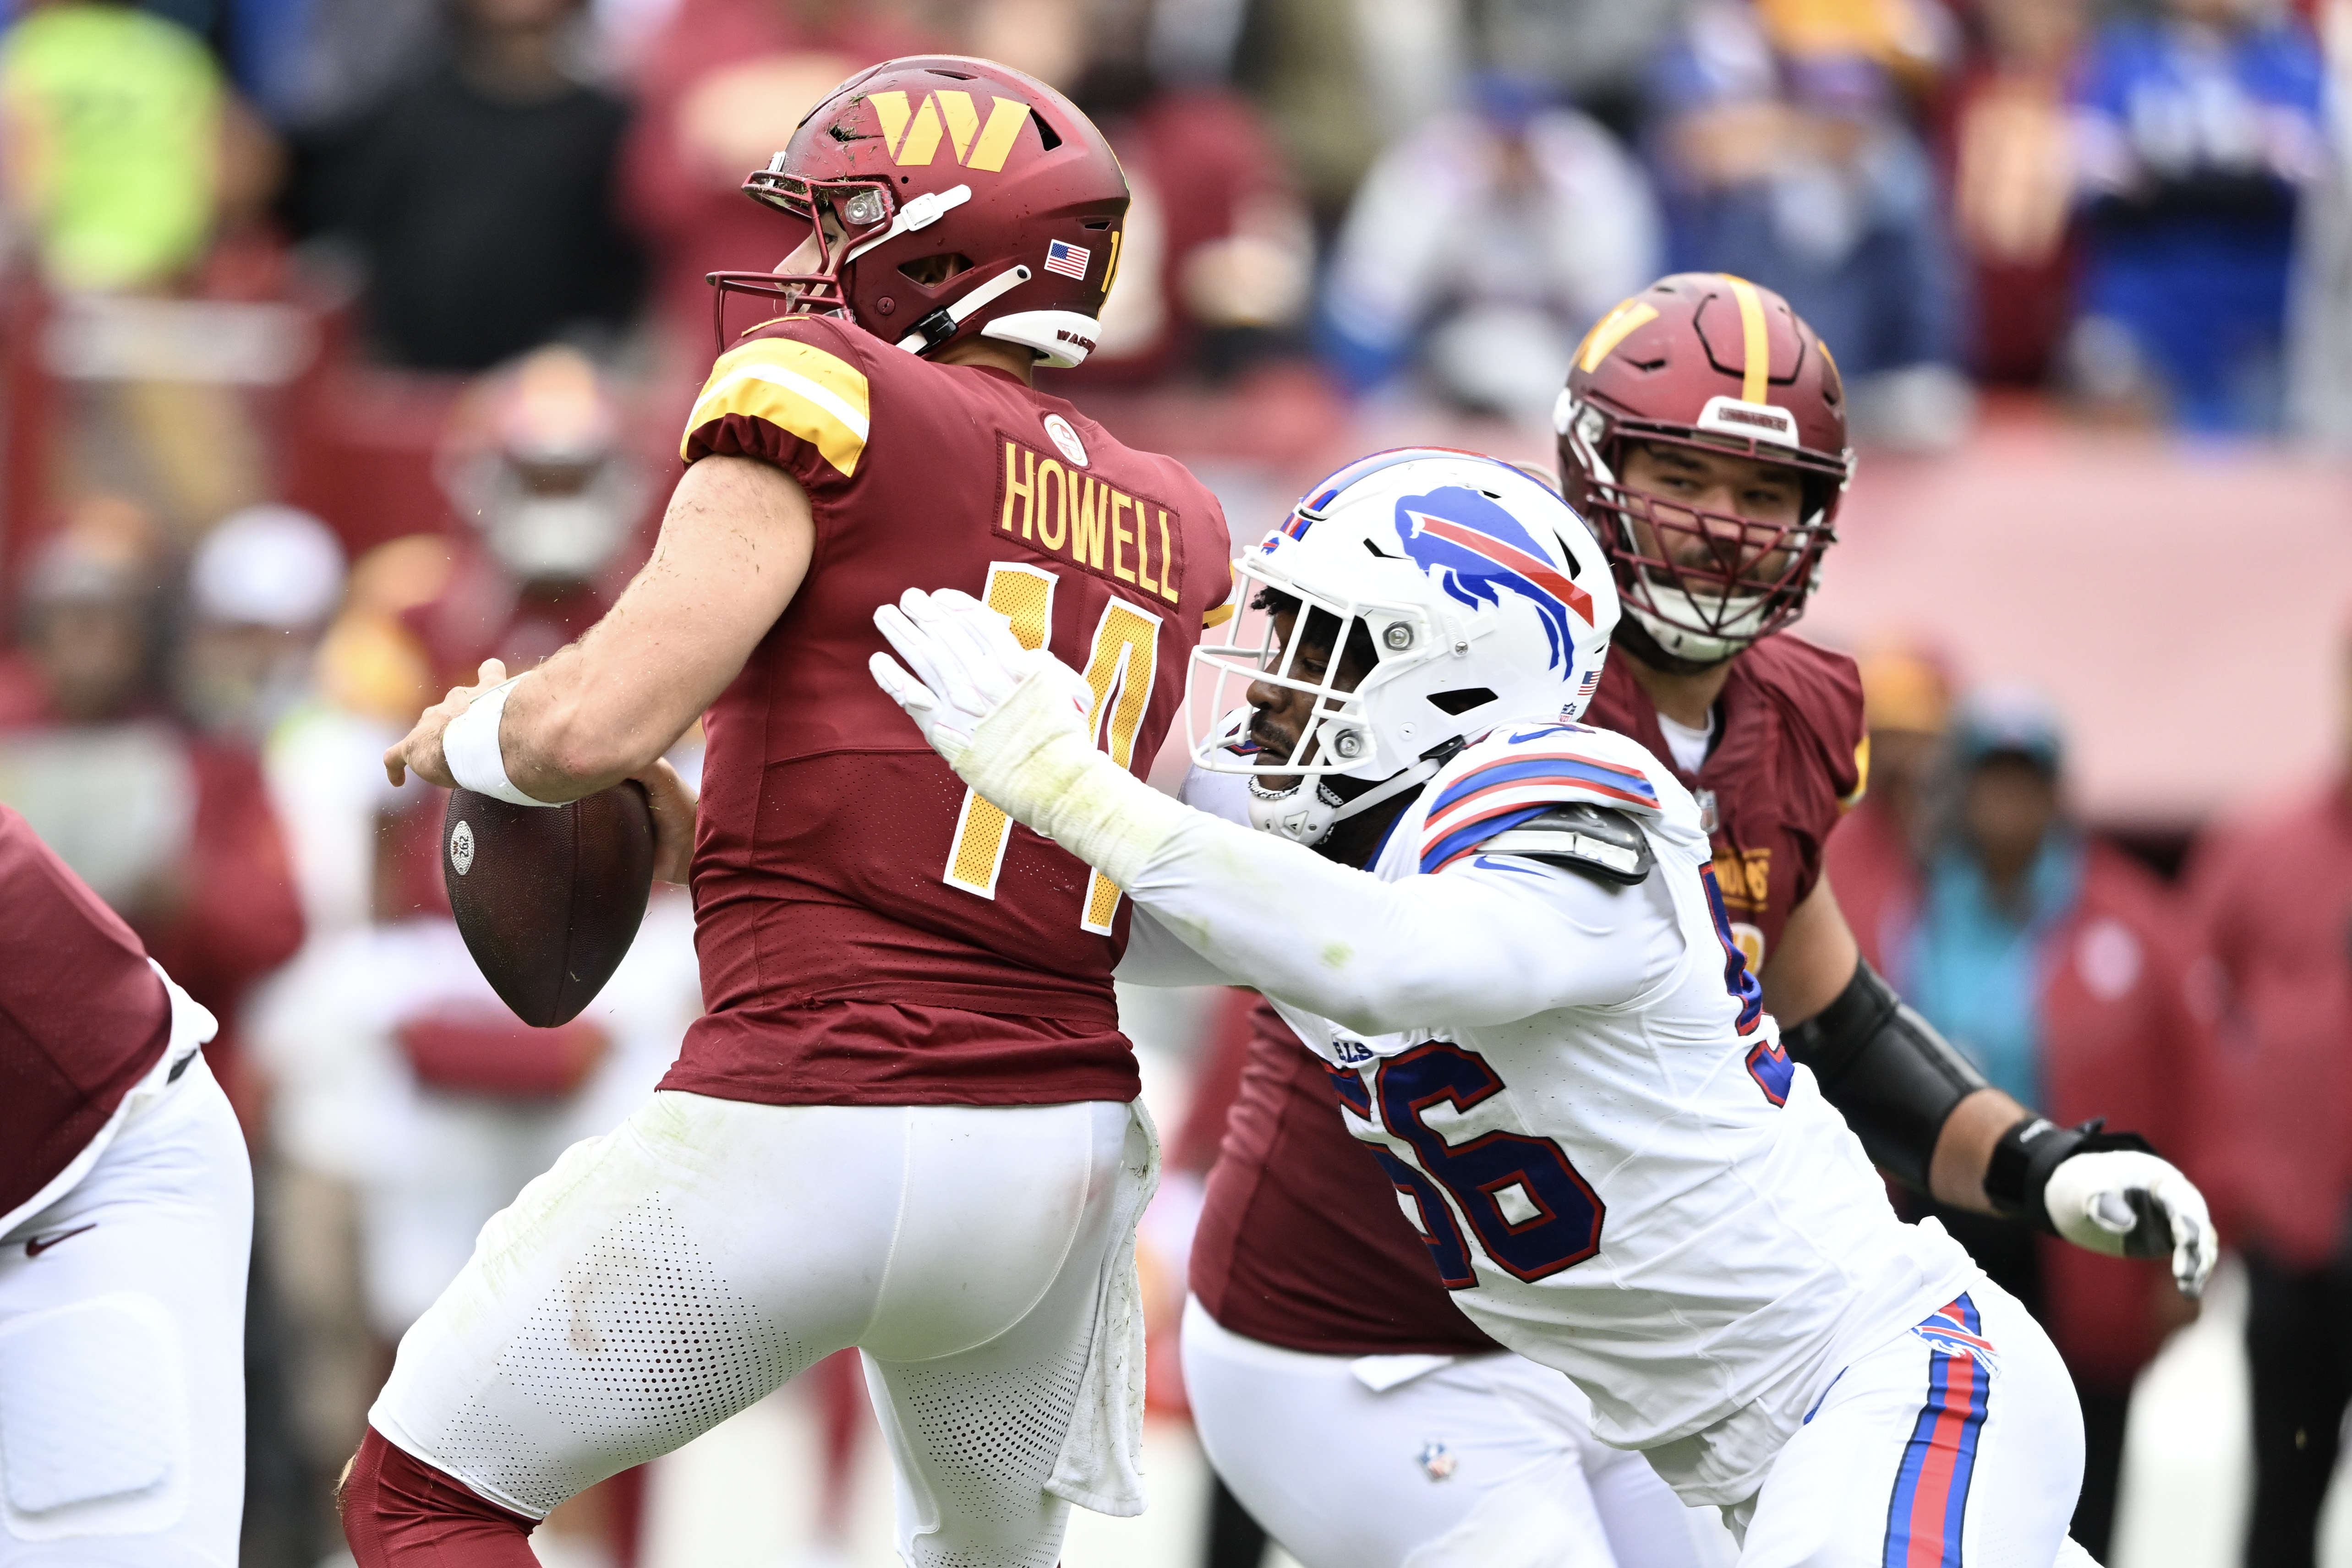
(967, 664)
(1014, 723)
(2131, 1205)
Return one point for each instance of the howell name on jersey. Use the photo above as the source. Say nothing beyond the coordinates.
(871, 931)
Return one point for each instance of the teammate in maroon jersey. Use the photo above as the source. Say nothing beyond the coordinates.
(906, 1122)
(1703, 439)
(126, 1224)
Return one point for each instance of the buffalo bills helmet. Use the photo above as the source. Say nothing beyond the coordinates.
(1468, 593)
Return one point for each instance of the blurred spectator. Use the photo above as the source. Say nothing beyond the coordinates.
(113, 123)
(1783, 156)
(172, 829)
(533, 459)
(720, 88)
(2007, 146)
(368, 682)
(2276, 893)
(1217, 253)
(1340, 81)
(260, 588)
(1480, 249)
(2195, 134)
(2063, 970)
(481, 197)
(1873, 859)
(1597, 50)
(2319, 332)
(312, 66)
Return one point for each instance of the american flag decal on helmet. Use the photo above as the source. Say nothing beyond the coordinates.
(1069, 260)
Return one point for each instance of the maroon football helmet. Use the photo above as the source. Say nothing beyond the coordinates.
(948, 196)
(1711, 361)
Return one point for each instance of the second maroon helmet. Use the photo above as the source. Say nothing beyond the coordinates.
(950, 197)
(1708, 361)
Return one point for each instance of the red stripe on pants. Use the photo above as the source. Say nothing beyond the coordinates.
(400, 1512)
(1931, 1501)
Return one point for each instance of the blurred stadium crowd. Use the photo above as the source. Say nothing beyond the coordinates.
(343, 344)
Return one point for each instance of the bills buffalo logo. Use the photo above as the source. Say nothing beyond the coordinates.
(913, 133)
(1479, 551)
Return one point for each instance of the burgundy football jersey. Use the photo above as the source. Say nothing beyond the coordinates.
(82, 1015)
(871, 931)
(1301, 1241)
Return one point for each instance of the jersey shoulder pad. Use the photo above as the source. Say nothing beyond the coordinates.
(1516, 774)
(1598, 841)
(799, 396)
(1819, 694)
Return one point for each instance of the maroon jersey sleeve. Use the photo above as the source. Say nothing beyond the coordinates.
(83, 1015)
(798, 395)
(1821, 693)
(842, 869)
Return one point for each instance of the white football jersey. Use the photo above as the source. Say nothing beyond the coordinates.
(1647, 1195)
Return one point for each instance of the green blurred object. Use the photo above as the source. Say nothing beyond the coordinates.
(113, 125)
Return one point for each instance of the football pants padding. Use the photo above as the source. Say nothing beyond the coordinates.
(673, 1272)
(1481, 1462)
(121, 1349)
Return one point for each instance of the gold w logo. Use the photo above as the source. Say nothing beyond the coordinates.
(915, 138)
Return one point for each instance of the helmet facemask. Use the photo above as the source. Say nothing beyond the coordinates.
(1745, 579)
(854, 208)
(1330, 641)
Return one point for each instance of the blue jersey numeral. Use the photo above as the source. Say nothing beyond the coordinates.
(1766, 1062)
(1553, 1217)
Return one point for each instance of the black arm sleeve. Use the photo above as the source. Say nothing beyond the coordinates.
(1886, 1070)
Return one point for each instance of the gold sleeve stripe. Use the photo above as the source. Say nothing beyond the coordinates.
(1611, 330)
(1756, 342)
(795, 387)
(1860, 776)
(1220, 615)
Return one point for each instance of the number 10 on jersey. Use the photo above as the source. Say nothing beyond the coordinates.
(1120, 666)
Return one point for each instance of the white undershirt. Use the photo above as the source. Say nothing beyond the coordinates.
(1689, 746)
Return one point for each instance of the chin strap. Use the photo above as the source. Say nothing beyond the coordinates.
(1309, 821)
(942, 324)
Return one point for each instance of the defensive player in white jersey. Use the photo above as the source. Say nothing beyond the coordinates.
(1533, 1008)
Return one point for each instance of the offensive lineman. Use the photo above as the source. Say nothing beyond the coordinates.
(1325, 1368)
(1535, 1010)
(126, 1224)
(908, 1121)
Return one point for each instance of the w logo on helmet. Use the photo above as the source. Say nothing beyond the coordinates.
(1477, 549)
(914, 139)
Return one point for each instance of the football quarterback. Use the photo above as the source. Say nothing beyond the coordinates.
(1532, 1007)
(908, 1121)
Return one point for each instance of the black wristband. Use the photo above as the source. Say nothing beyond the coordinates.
(2018, 1178)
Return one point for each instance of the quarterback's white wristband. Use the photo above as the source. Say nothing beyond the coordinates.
(470, 744)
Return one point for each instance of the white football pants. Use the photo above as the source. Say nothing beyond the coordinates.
(676, 1271)
(122, 1347)
(1957, 1442)
(1484, 1461)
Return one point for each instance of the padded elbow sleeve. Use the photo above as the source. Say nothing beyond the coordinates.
(1886, 1070)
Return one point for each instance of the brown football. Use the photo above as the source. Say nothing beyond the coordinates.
(549, 897)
